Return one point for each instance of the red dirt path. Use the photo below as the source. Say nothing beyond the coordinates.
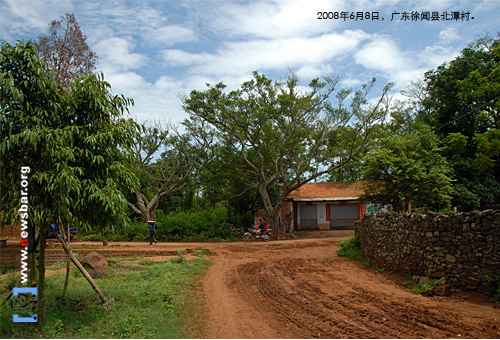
(301, 289)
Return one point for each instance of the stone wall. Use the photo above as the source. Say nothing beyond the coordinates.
(462, 247)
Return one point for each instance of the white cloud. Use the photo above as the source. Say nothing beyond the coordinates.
(143, 46)
(127, 83)
(242, 57)
(33, 15)
(178, 57)
(433, 56)
(171, 35)
(115, 54)
(381, 54)
(311, 72)
(449, 35)
(275, 19)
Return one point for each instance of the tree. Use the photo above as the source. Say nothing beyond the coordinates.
(69, 139)
(484, 89)
(65, 51)
(176, 169)
(275, 136)
(222, 185)
(462, 105)
(406, 168)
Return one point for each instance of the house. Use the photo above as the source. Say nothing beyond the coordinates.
(325, 206)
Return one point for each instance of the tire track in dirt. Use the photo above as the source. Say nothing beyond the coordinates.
(302, 290)
(229, 319)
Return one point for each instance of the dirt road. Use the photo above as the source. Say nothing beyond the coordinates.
(301, 289)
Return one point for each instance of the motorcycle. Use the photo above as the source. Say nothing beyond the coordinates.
(252, 233)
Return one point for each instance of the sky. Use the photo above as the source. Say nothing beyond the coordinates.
(157, 51)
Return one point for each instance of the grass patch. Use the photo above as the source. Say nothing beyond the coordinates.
(424, 285)
(8, 268)
(200, 251)
(154, 300)
(494, 286)
(181, 257)
(351, 248)
(323, 260)
(117, 260)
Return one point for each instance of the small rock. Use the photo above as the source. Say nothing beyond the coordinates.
(425, 280)
(96, 264)
(444, 290)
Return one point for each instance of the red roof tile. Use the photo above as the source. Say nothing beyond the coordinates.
(337, 190)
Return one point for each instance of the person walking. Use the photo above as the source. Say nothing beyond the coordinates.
(152, 227)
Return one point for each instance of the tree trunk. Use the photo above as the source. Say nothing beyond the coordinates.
(80, 267)
(68, 267)
(146, 209)
(281, 229)
(41, 279)
(68, 270)
(33, 256)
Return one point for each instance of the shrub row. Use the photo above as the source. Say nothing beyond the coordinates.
(205, 225)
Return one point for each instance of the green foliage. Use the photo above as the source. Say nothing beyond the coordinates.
(11, 280)
(272, 135)
(494, 281)
(462, 106)
(68, 137)
(8, 268)
(407, 169)
(66, 142)
(130, 325)
(202, 251)
(202, 225)
(170, 180)
(351, 248)
(425, 285)
(181, 259)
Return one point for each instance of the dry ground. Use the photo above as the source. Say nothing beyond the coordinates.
(302, 289)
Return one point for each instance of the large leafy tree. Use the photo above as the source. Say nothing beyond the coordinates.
(462, 105)
(65, 51)
(69, 138)
(277, 137)
(181, 157)
(406, 168)
(222, 185)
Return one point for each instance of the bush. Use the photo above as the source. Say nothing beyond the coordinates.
(424, 285)
(351, 248)
(205, 225)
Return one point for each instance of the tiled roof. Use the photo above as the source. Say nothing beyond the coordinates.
(339, 190)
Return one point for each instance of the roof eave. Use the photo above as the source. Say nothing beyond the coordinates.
(317, 199)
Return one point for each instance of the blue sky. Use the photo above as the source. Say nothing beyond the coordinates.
(156, 51)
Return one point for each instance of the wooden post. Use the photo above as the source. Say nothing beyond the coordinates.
(80, 267)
